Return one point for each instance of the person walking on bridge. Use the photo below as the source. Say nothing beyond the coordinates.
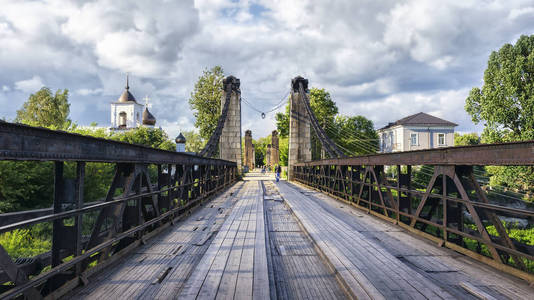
(278, 170)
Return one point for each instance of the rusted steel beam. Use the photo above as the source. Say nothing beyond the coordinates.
(504, 154)
(451, 188)
(21, 142)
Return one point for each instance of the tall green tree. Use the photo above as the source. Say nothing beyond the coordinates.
(505, 105)
(46, 109)
(29, 184)
(194, 142)
(356, 135)
(205, 100)
(283, 144)
(466, 139)
(151, 137)
(325, 110)
(282, 122)
(260, 149)
(322, 105)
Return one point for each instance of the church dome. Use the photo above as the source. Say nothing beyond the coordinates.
(180, 139)
(126, 95)
(148, 118)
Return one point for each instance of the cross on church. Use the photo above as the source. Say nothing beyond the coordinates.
(146, 102)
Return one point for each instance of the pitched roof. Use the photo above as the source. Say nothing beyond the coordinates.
(420, 119)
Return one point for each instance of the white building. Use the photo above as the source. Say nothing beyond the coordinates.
(127, 114)
(416, 132)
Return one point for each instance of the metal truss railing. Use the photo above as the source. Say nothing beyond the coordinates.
(449, 207)
(135, 207)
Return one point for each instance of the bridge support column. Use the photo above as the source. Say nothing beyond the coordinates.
(268, 162)
(299, 127)
(275, 150)
(230, 140)
(249, 150)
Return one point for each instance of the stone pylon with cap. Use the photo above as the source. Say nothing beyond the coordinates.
(249, 150)
(275, 148)
(230, 139)
(299, 126)
(268, 156)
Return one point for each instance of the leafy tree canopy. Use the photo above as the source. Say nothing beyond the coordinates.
(355, 134)
(194, 142)
(46, 109)
(282, 122)
(505, 103)
(466, 139)
(205, 100)
(151, 137)
(324, 108)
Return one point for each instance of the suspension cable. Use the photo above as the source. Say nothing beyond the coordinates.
(328, 145)
(211, 146)
(263, 113)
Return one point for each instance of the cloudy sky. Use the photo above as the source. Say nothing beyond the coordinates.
(382, 59)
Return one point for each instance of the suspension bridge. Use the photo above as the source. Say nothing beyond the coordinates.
(177, 225)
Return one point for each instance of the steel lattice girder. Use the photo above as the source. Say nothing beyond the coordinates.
(504, 154)
(21, 142)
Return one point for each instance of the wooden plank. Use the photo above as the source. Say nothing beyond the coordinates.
(229, 277)
(443, 264)
(134, 276)
(355, 281)
(261, 277)
(196, 281)
(473, 290)
(244, 285)
(350, 242)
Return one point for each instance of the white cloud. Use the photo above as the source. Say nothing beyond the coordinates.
(520, 12)
(87, 92)
(29, 85)
(5, 88)
(381, 59)
(142, 37)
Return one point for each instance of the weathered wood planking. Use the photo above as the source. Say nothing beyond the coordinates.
(299, 272)
(235, 265)
(385, 255)
(159, 268)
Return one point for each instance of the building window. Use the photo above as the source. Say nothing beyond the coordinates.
(441, 139)
(413, 139)
(122, 119)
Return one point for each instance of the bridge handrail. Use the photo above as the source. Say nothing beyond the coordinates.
(183, 182)
(435, 205)
(23, 142)
(499, 154)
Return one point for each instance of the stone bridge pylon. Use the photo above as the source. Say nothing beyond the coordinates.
(230, 140)
(250, 160)
(299, 126)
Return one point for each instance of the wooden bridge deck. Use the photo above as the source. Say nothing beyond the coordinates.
(279, 240)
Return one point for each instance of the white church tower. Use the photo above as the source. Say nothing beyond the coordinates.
(127, 114)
